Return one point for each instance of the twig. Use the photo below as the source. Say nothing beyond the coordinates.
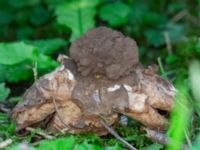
(58, 112)
(46, 136)
(4, 109)
(157, 136)
(35, 73)
(187, 15)
(180, 15)
(107, 127)
(5, 143)
(168, 43)
(161, 68)
(57, 109)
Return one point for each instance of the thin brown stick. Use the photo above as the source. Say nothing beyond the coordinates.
(46, 136)
(111, 130)
(59, 114)
(157, 136)
(179, 15)
(5, 143)
(57, 111)
(35, 73)
(168, 43)
(4, 109)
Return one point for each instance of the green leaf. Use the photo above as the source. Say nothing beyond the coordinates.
(13, 53)
(172, 59)
(45, 62)
(156, 36)
(36, 18)
(86, 146)
(48, 46)
(23, 57)
(181, 114)
(4, 92)
(14, 73)
(58, 144)
(116, 147)
(115, 14)
(78, 15)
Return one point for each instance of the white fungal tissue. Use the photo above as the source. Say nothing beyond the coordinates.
(113, 88)
(70, 75)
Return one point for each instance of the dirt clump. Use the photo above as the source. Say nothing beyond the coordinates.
(106, 52)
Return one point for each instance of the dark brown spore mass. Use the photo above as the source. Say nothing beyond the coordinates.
(106, 52)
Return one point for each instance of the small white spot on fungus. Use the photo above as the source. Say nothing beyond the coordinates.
(70, 75)
(113, 88)
(128, 87)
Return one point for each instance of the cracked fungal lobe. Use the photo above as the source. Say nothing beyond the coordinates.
(81, 100)
(106, 52)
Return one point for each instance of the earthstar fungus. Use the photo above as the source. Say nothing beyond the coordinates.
(103, 78)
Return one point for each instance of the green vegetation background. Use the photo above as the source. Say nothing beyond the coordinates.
(34, 32)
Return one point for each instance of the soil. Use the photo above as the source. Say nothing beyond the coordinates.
(106, 52)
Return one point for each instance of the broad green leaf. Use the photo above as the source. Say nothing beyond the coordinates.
(172, 59)
(47, 46)
(115, 13)
(4, 92)
(24, 70)
(45, 62)
(78, 15)
(57, 144)
(116, 147)
(181, 114)
(194, 75)
(139, 9)
(14, 73)
(156, 36)
(86, 146)
(18, 59)
(36, 18)
(13, 53)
